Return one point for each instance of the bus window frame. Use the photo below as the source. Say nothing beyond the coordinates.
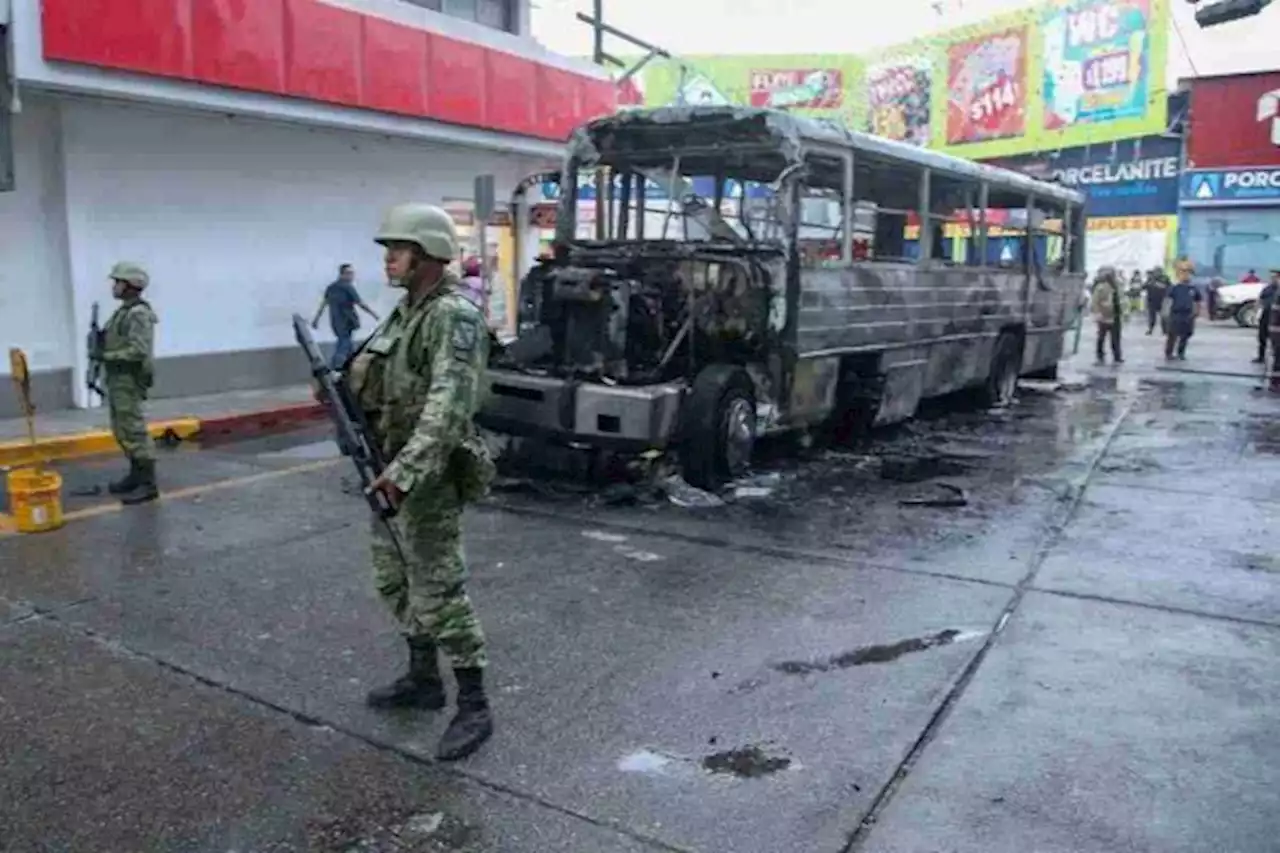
(844, 193)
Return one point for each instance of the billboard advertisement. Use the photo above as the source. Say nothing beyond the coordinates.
(987, 87)
(817, 85)
(1235, 122)
(899, 94)
(1063, 74)
(1096, 63)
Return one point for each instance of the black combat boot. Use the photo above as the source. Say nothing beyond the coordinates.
(127, 483)
(472, 725)
(420, 687)
(144, 488)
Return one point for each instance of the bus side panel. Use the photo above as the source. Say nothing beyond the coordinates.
(1053, 307)
(954, 313)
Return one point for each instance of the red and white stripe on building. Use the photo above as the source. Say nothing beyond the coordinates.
(241, 150)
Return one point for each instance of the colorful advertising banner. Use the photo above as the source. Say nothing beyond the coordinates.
(1062, 74)
(900, 99)
(987, 87)
(1096, 62)
(818, 85)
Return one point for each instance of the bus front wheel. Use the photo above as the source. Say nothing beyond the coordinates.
(718, 432)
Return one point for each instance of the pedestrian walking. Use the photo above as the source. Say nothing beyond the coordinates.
(1108, 306)
(342, 299)
(1266, 301)
(1183, 302)
(418, 381)
(472, 285)
(128, 362)
(1134, 292)
(1157, 285)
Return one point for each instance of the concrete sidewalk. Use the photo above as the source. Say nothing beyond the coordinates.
(74, 433)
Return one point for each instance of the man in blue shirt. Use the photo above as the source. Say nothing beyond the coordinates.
(1183, 301)
(342, 300)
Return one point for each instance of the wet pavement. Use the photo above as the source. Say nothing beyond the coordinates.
(1081, 657)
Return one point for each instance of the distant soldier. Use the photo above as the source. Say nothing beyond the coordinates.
(1156, 287)
(1108, 304)
(418, 380)
(1183, 301)
(1272, 326)
(1266, 301)
(128, 359)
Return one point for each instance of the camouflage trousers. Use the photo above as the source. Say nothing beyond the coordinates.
(428, 596)
(125, 395)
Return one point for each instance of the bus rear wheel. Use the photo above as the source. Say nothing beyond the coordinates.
(1002, 380)
(718, 432)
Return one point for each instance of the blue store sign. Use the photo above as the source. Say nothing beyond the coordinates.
(1232, 187)
(1132, 177)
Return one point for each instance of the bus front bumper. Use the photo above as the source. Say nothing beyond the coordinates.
(634, 417)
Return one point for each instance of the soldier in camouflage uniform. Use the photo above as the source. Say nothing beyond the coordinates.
(418, 382)
(128, 351)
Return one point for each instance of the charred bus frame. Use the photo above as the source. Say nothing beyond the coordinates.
(794, 293)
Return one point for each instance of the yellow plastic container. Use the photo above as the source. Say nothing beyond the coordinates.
(35, 499)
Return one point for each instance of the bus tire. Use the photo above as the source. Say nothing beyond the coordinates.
(1002, 379)
(718, 431)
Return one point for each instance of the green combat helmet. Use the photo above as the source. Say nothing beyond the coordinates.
(425, 226)
(132, 273)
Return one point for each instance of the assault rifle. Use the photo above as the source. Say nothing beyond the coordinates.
(96, 343)
(353, 432)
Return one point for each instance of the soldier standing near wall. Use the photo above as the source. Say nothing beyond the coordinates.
(418, 381)
(128, 359)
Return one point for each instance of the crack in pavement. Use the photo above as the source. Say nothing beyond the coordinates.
(886, 793)
(313, 721)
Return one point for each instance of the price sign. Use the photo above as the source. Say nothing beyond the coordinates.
(992, 104)
(1107, 71)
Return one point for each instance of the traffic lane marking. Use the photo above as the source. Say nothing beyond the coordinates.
(110, 507)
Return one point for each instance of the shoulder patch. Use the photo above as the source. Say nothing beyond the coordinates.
(464, 337)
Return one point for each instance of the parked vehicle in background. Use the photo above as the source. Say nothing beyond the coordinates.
(748, 271)
(1240, 302)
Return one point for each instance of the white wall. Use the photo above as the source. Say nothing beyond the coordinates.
(241, 222)
(35, 297)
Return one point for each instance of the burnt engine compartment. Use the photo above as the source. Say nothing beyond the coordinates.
(644, 313)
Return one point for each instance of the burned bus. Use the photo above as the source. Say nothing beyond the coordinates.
(741, 272)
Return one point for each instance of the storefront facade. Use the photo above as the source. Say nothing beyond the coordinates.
(1131, 188)
(241, 152)
(1231, 189)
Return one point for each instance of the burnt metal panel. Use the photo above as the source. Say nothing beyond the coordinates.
(955, 313)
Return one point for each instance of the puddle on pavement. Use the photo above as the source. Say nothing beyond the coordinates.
(1257, 562)
(748, 762)
(886, 653)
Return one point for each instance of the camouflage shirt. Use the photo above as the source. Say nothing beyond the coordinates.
(419, 381)
(129, 339)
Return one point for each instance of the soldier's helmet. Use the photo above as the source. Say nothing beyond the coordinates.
(424, 225)
(132, 273)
